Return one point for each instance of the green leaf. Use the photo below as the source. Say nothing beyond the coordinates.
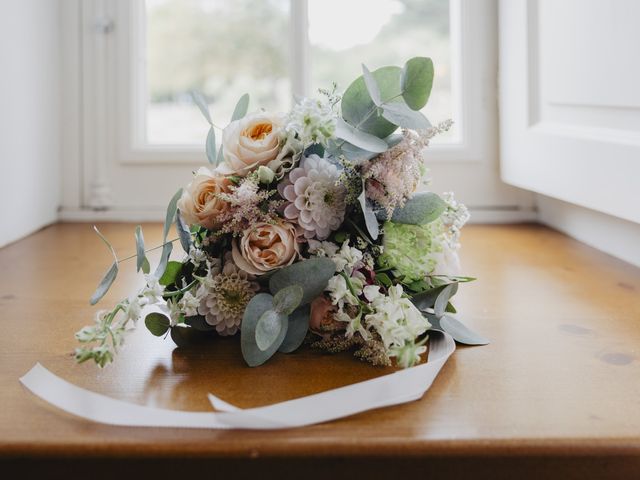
(183, 232)
(109, 277)
(172, 208)
(140, 253)
(288, 299)
(210, 146)
(254, 310)
(359, 138)
(170, 273)
(370, 219)
(241, 108)
(201, 103)
(357, 104)
(297, 330)
(105, 284)
(445, 295)
(427, 299)
(146, 267)
(312, 275)
(157, 323)
(384, 279)
(164, 259)
(460, 332)
(372, 85)
(400, 114)
(450, 308)
(268, 329)
(416, 81)
(422, 208)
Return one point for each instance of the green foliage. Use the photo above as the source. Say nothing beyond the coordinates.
(142, 262)
(268, 328)
(297, 330)
(416, 82)
(359, 138)
(210, 146)
(201, 103)
(109, 277)
(370, 220)
(443, 298)
(256, 308)
(241, 108)
(422, 208)
(288, 299)
(358, 109)
(183, 233)
(157, 323)
(312, 275)
(460, 332)
(172, 208)
(170, 273)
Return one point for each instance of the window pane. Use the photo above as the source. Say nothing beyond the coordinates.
(223, 49)
(346, 33)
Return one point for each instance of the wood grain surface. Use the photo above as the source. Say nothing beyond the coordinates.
(556, 393)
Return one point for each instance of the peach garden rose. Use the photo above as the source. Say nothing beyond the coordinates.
(266, 247)
(250, 142)
(200, 203)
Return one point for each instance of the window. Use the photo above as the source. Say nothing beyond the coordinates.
(273, 48)
(137, 61)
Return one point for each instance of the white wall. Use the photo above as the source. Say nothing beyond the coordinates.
(29, 116)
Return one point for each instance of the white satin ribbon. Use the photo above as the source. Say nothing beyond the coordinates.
(399, 387)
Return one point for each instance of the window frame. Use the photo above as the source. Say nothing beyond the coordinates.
(111, 90)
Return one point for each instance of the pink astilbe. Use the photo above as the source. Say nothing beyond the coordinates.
(393, 176)
(249, 205)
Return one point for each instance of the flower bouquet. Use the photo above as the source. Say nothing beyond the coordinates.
(308, 228)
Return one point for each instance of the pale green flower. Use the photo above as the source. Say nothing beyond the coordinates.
(412, 250)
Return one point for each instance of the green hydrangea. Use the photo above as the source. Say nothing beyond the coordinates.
(409, 249)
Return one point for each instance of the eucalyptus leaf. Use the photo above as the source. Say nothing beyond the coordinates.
(170, 273)
(210, 146)
(460, 332)
(146, 267)
(105, 284)
(427, 299)
(140, 253)
(315, 149)
(268, 329)
(400, 114)
(241, 108)
(312, 275)
(297, 330)
(157, 323)
(416, 81)
(288, 299)
(359, 138)
(445, 295)
(372, 85)
(254, 310)
(201, 103)
(422, 208)
(433, 320)
(349, 151)
(370, 219)
(111, 274)
(164, 259)
(359, 109)
(183, 233)
(172, 208)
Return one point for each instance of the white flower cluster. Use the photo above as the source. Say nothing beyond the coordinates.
(453, 218)
(366, 309)
(311, 121)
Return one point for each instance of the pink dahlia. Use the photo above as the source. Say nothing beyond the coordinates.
(316, 197)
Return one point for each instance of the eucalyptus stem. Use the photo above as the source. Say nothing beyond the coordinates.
(181, 291)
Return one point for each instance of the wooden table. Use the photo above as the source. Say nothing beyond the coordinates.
(557, 393)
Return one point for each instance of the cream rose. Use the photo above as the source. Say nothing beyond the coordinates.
(266, 247)
(250, 142)
(200, 203)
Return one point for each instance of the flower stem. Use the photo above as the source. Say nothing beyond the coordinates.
(148, 250)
